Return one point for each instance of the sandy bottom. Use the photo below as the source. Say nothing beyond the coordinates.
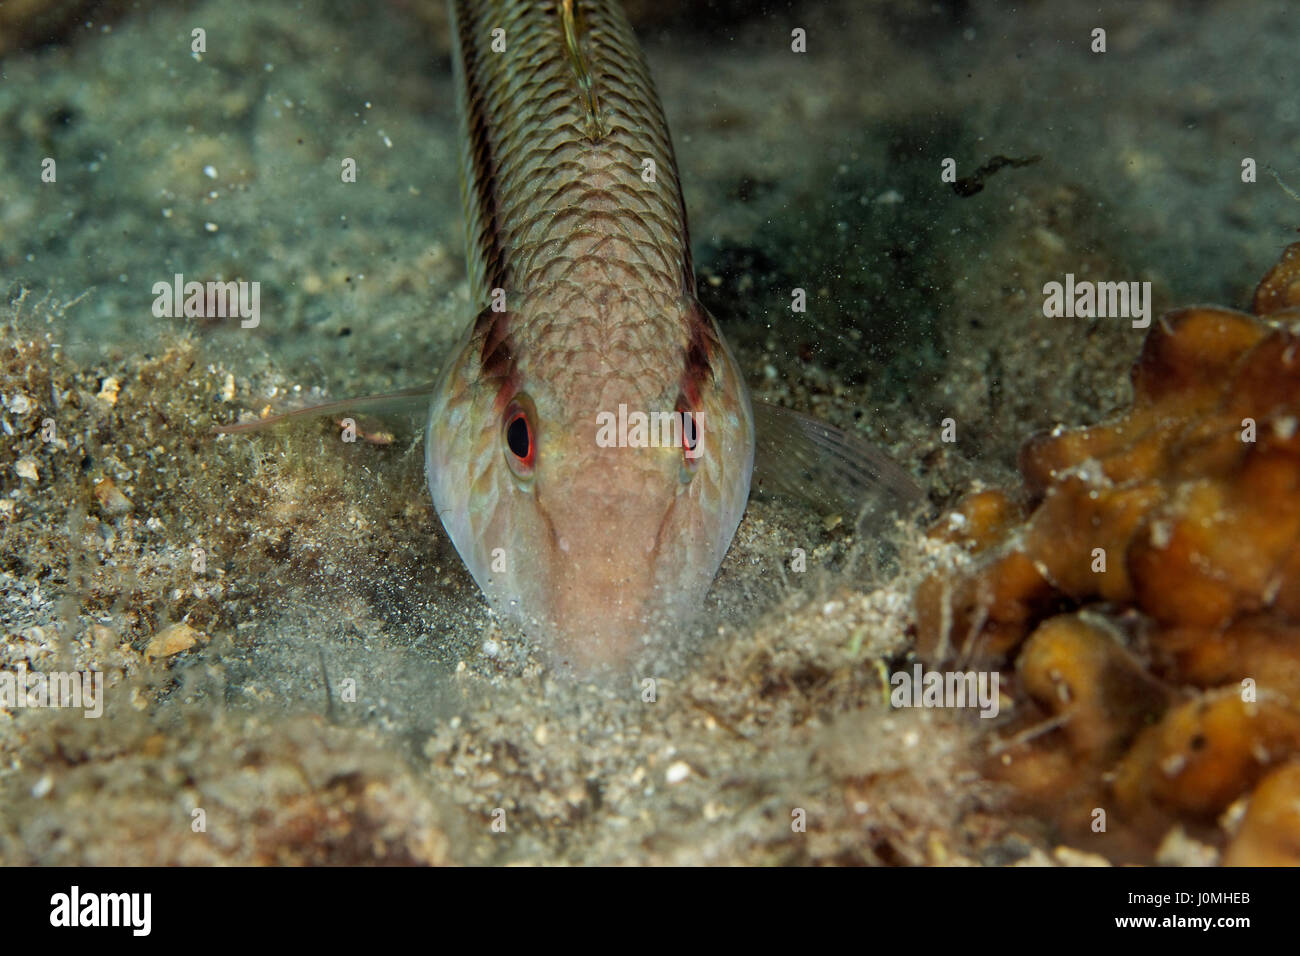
(291, 645)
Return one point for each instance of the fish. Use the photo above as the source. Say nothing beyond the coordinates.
(590, 441)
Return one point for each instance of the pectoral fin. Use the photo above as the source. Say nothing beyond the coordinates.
(834, 471)
(406, 400)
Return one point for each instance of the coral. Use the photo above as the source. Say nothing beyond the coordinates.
(1270, 833)
(1145, 586)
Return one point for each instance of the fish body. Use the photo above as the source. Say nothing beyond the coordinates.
(580, 270)
(595, 532)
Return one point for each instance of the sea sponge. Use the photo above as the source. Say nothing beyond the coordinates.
(1077, 668)
(1145, 583)
(1269, 834)
(1205, 753)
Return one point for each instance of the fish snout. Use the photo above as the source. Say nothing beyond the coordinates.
(607, 601)
(600, 625)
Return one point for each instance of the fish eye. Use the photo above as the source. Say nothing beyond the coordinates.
(518, 437)
(691, 438)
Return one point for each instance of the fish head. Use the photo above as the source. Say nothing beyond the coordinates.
(593, 497)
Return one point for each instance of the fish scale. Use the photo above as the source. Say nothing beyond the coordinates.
(544, 199)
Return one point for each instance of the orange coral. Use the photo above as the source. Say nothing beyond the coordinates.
(1148, 589)
(1270, 833)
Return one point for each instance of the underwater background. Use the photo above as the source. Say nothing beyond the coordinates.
(291, 644)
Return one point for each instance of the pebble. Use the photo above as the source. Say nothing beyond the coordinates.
(174, 639)
(108, 391)
(110, 499)
(1069, 856)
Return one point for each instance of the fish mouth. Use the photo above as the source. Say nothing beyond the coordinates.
(605, 602)
(605, 636)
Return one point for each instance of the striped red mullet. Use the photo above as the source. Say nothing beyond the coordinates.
(579, 262)
(580, 270)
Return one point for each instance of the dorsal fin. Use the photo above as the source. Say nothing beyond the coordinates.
(578, 60)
